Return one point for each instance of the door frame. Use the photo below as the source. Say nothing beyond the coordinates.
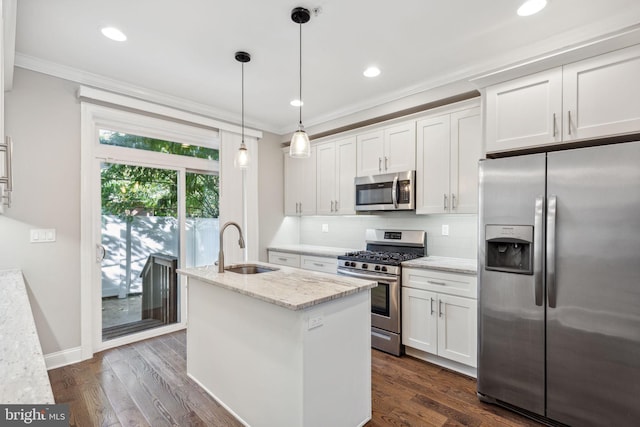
(93, 118)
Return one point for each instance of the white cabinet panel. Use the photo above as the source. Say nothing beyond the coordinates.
(300, 184)
(457, 329)
(419, 320)
(594, 98)
(388, 150)
(448, 149)
(336, 170)
(525, 112)
(283, 258)
(324, 264)
(434, 320)
(602, 95)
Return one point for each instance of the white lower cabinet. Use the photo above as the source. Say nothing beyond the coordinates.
(306, 262)
(284, 258)
(439, 323)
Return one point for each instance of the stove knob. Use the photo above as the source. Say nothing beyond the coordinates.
(353, 264)
(384, 268)
(365, 266)
(377, 268)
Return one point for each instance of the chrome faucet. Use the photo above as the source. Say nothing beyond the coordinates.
(221, 253)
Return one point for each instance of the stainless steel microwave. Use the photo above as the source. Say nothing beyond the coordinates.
(386, 192)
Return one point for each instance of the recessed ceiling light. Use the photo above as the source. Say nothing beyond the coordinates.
(372, 72)
(531, 7)
(113, 34)
(296, 103)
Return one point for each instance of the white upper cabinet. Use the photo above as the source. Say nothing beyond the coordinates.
(300, 184)
(336, 171)
(448, 149)
(387, 150)
(593, 98)
(601, 95)
(525, 112)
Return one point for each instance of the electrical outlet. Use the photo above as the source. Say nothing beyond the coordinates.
(315, 322)
(325, 228)
(445, 229)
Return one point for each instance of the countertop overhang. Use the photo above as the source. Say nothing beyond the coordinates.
(288, 287)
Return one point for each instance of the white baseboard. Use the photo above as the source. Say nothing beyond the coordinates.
(63, 358)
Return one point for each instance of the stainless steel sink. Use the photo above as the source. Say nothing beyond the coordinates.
(249, 269)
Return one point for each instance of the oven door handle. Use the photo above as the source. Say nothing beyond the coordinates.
(367, 276)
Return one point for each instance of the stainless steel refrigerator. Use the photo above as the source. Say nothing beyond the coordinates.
(559, 284)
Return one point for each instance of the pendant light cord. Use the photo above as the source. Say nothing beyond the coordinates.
(300, 93)
(243, 102)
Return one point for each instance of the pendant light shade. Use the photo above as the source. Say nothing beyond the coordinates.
(300, 145)
(241, 159)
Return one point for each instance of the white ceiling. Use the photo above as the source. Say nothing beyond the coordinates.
(186, 48)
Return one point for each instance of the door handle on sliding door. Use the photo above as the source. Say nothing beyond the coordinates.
(551, 251)
(537, 250)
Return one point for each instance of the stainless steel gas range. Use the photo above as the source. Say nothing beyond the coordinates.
(386, 249)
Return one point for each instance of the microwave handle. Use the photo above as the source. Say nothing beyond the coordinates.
(394, 192)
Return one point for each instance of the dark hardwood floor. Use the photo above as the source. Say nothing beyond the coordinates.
(145, 384)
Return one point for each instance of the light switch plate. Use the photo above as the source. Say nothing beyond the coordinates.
(42, 235)
(325, 228)
(445, 229)
(315, 322)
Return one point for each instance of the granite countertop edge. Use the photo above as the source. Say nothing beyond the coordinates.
(291, 288)
(447, 264)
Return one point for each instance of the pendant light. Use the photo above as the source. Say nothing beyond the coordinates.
(241, 159)
(300, 145)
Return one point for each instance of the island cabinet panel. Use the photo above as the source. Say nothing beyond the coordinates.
(271, 366)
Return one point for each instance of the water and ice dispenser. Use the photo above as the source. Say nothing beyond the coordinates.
(509, 248)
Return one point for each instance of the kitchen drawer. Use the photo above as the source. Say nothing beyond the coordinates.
(283, 258)
(324, 264)
(463, 285)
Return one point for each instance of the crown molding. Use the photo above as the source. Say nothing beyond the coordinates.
(138, 92)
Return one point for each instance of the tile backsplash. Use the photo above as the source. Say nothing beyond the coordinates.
(349, 231)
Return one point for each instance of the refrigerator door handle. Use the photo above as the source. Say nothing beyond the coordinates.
(537, 248)
(551, 251)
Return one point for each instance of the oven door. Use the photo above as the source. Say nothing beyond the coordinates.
(385, 300)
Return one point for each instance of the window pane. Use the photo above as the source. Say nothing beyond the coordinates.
(202, 219)
(126, 140)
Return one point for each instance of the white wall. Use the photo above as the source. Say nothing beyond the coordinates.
(349, 231)
(42, 115)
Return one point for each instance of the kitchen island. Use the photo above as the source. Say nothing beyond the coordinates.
(282, 348)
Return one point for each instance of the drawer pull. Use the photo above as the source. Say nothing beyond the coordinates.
(433, 282)
(282, 259)
(318, 264)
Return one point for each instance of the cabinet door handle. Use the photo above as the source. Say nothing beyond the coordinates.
(336, 206)
(453, 201)
(445, 202)
(555, 127)
(440, 308)
(297, 207)
(386, 163)
(569, 124)
(332, 206)
(379, 164)
(431, 305)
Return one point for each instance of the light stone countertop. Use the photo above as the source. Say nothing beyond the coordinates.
(287, 287)
(312, 250)
(23, 374)
(452, 265)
